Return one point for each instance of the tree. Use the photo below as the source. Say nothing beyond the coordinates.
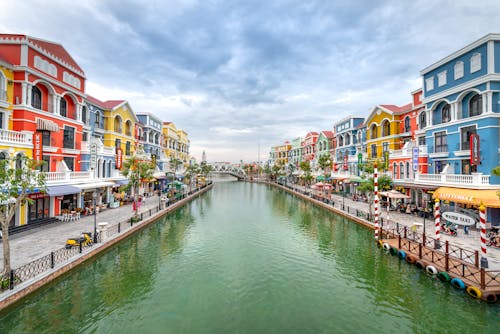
(324, 162)
(16, 184)
(205, 168)
(305, 166)
(367, 186)
(496, 172)
(137, 171)
(191, 171)
(174, 164)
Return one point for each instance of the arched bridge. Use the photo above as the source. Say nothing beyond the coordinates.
(228, 169)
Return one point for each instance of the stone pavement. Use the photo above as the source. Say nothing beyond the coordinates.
(469, 241)
(32, 244)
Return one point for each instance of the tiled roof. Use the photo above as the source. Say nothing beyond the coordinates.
(327, 133)
(396, 109)
(112, 103)
(95, 101)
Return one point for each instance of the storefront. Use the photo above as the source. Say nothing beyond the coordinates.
(39, 208)
(60, 197)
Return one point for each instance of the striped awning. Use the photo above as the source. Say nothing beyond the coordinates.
(47, 125)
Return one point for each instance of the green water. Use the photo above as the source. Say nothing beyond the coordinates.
(246, 258)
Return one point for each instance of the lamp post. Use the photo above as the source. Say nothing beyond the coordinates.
(94, 197)
(342, 189)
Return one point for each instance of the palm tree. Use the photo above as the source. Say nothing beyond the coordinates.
(137, 171)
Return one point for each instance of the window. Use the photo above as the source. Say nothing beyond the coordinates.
(69, 137)
(128, 128)
(459, 70)
(476, 105)
(421, 140)
(1, 120)
(118, 144)
(394, 170)
(46, 138)
(98, 124)
(475, 62)
(465, 134)
(408, 170)
(385, 147)
(347, 139)
(429, 83)
(407, 124)
(36, 97)
(373, 131)
(422, 120)
(445, 114)
(374, 150)
(127, 148)
(63, 107)
(386, 128)
(84, 115)
(85, 136)
(401, 171)
(70, 162)
(45, 167)
(118, 124)
(440, 142)
(441, 78)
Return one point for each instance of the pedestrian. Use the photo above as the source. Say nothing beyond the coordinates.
(466, 229)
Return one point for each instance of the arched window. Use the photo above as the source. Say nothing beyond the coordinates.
(118, 124)
(476, 105)
(36, 97)
(84, 115)
(63, 107)
(422, 120)
(347, 139)
(373, 132)
(98, 121)
(128, 128)
(445, 114)
(394, 170)
(401, 171)
(386, 128)
(407, 124)
(408, 170)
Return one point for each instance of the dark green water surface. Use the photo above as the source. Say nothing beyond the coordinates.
(246, 258)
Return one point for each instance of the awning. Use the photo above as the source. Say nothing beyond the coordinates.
(488, 198)
(94, 185)
(62, 190)
(46, 124)
(121, 182)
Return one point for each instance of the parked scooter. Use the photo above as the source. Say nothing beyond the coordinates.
(450, 229)
(85, 240)
(493, 237)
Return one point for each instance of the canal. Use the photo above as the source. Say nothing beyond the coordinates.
(248, 258)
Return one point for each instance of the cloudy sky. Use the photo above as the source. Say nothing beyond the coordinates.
(242, 76)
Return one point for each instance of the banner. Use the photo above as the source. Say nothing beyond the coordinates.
(93, 156)
(475, 155)
(386, 160)
(37, 146)
(415, 158)
(119, 155)
(345, 161)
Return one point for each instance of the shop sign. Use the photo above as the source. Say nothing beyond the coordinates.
(37, 146)
(458, 218)
(415, 158)
(119, 156)
(475, 155)
(37, 195)
(345, 162)
(93, 156)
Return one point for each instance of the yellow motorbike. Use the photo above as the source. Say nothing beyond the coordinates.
(85, 240)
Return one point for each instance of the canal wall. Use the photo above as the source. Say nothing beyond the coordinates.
(10, 297)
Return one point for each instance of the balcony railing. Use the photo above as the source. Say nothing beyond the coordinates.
(65, 177)
(15, 137)
(472, 180)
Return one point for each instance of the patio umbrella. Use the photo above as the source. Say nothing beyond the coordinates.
(320, 178)
(393, 194)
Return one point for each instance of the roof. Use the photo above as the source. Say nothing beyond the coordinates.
(328, 134)
(110, 104)
(54, 50)
(95, 101)
(396, 109)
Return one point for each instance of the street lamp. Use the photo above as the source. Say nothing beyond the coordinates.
(94, 197)
(342, 189)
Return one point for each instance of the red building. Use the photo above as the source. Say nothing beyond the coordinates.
(308, 146)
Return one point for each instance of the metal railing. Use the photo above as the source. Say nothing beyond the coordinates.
(66, 255)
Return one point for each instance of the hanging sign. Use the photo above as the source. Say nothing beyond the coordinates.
(93, 156)
(345, 161)
(415, 158)
(119, 156)
(37, 146)
(458, 218)
(475, 155)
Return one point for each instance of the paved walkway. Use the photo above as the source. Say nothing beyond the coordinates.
(32, 244)
(469, 241)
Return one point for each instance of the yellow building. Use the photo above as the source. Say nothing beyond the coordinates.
(382, 131)
(282, 152)
(175, 143)
(120, 127)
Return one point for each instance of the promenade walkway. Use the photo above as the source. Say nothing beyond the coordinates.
(469, 241)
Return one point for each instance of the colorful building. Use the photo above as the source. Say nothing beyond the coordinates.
(325, 145)
(309, 147)
(348, 135)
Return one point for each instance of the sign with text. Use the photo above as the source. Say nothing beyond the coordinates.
(345, 161)
(475, 155)
(458, 218)
(119, 157)
(37, 146)
(93, 156)
(415, 158)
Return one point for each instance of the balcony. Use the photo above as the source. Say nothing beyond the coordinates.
(16, 138)
(474, 180)
(70, 177)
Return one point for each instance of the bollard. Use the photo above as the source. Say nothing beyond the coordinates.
(11, 279)
(52, 260)
(131, 221)
(119, 227)
(80, 247)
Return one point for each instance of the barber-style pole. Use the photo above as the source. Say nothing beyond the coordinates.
(375, 200)
(437, 222)
(482, 221)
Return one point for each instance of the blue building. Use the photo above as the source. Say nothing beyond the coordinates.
(151, 139)
(462, 97)
(349, 135)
